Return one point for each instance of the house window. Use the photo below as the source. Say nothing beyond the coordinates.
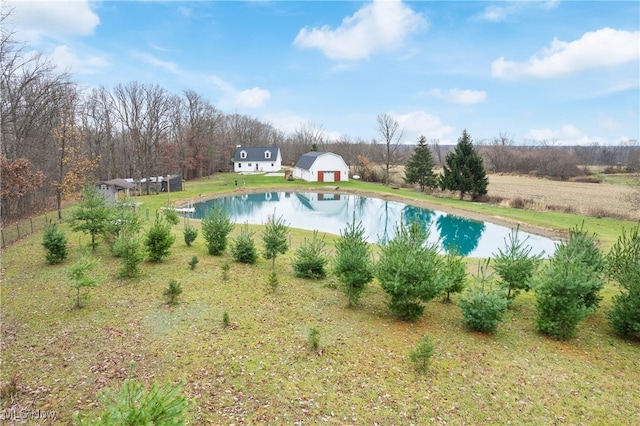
(249, 164)
(103, 187)
(243, 154)
(239, 165)
(271, 164)
(267, 155)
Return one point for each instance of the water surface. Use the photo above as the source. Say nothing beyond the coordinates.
(380, 218)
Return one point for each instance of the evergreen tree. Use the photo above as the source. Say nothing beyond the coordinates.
(91, 215)
(310, 258)
(353, 265)
(464, 170)
(159, 239)
(274, 237)
(55, 242)
(567, 287)
(419, 168)
(516, 265)
(243, 247)
(216, 227)
(408, 271)
(80, 275)
(623, 266)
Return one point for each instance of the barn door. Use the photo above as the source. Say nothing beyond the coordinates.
(336, 176)
(320, 176)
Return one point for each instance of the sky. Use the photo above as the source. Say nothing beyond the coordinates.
(560, 72)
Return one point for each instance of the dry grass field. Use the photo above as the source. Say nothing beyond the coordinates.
(590, 199)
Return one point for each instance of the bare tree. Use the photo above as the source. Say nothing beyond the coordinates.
(31, 90)
(143, 115)
(392, 136)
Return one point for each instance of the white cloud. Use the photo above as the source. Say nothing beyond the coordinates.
(500, 13)
(34, 19)
(419, 123)
(65, 58)
(172, 67)
(602, 48)
(252, 98)
(459, 96)
(379, 26)
(566, 135)
(286, 122)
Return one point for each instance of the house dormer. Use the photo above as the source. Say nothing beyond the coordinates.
(267, 155)
(243, 154)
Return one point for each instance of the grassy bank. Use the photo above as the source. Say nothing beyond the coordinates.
(259, 370)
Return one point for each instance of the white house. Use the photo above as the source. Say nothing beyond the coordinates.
(257, 159)
(318, 166)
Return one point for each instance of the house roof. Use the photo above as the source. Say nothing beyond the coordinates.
(120, 183)
(307, 160)
(256, 153)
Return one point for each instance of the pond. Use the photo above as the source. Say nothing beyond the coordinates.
(330, 213)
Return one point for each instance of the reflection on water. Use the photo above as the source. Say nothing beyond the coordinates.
(331, 213)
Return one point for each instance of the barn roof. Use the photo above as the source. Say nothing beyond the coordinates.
(306, 160)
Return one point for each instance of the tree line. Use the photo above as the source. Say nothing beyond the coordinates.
(57, 135)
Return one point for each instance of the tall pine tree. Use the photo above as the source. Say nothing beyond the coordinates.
(464, 170)
(419, 168)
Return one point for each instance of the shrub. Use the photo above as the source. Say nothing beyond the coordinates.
(159, 239)
(623, 266)
(134, 405)
(310, 259)
(483, 305)
(55, 242)
(422, 353)
(313, 339)
(172, 292)
(243, 248)
(193, 262)
(226, 322)
(216, 227)
(190, 234)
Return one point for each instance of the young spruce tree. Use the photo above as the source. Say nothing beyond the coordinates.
(464, 170)
(216, 227)
(353, 264)
(419, 168)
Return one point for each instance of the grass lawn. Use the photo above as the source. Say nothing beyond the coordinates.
(259, 370)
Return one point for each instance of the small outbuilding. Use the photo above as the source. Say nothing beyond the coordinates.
(318, 166)
(172, 182)
(115, 189)
(251, 159)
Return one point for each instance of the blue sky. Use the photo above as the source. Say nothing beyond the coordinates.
(564, 72)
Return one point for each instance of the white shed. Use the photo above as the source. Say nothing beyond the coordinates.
(318, 166)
